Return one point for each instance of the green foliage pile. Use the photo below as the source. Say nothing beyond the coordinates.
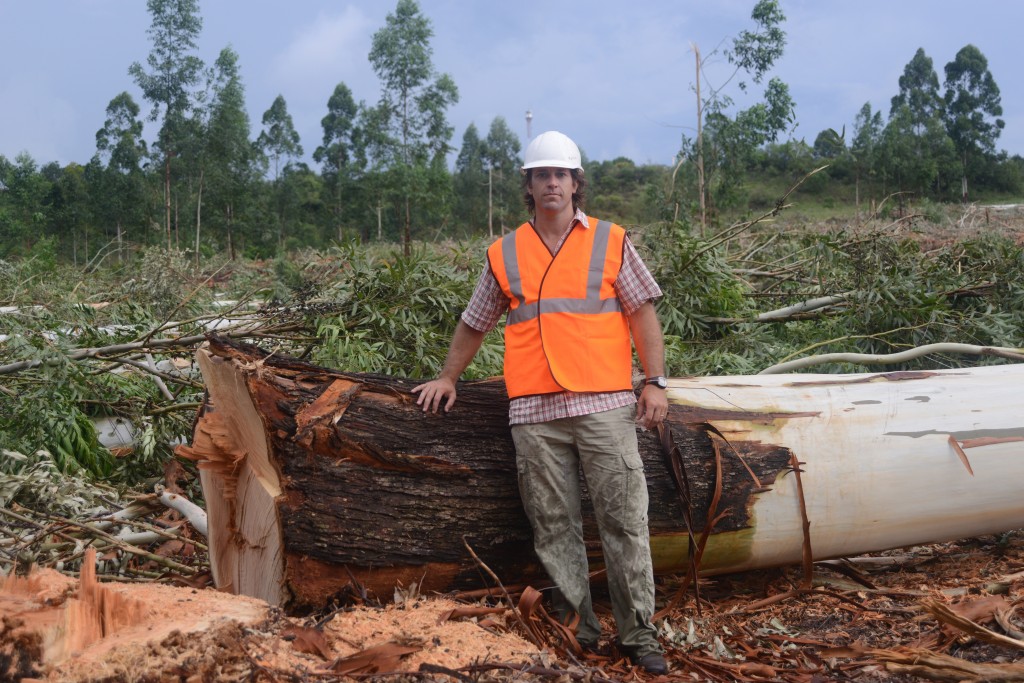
(395, 314)
(902, 297)
(48, 400)
(895, 293)
(382, 311)
(37, 482)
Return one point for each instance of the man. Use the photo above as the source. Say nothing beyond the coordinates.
(575, 291)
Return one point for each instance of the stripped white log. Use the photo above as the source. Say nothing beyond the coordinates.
(157, 379)
(114, 432)
(880, 453)
(131, 512)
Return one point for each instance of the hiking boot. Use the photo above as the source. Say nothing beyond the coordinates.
(652, 663)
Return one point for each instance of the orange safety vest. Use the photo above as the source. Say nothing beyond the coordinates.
(565, 329)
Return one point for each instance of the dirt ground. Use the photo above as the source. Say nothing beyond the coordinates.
(936, 612)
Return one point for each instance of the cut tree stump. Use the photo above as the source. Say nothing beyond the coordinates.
(319, 481)
(55, 628)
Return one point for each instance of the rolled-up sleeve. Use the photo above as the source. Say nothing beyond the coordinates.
(635, 285)
(487, 304)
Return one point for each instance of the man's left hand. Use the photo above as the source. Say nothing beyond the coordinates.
(652, 407)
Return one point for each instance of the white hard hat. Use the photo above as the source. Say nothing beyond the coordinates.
(552, 149)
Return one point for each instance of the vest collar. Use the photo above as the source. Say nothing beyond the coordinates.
(579, 218)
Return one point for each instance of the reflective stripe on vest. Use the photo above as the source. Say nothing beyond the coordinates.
(577, 338)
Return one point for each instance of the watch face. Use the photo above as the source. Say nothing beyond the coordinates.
(659, 382)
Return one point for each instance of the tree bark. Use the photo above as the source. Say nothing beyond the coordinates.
(318, 481)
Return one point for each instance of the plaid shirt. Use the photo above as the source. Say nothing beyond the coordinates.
(634, 286)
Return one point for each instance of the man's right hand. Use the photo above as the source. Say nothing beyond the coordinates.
(434, 392)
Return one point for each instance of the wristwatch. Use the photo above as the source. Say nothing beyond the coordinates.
(658, 381)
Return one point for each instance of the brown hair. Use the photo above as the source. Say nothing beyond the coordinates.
(579, 197)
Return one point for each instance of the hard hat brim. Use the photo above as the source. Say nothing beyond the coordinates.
(552, 163)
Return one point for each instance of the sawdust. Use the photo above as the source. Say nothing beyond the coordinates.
(62, 630)
(424, 623)
(856, 624)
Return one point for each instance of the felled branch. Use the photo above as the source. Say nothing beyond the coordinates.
(195, 515)
(934, 665)
(881, 359)
(796, 311)
(46, 539)
(247, 330)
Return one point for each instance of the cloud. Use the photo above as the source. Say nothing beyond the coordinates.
(332, 48)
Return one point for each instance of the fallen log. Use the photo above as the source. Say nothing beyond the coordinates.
(318, 481)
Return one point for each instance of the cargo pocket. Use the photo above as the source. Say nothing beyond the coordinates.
(634, 493)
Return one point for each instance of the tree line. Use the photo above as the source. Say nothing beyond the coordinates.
(209, 182)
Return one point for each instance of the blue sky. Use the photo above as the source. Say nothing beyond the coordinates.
(617, 77)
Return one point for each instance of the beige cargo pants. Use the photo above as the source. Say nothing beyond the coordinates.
(548, 458)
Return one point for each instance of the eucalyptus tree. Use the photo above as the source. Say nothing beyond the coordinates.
(864, 147)
(376, 182)
(501, 152)
(24, 193)
(902, 163)
(170, 82)
(916, 160)
(725, 140)
(919, 93)
(342, 155)
(917, 114)
(828, 145)
(279, 142)
(6, 219)
(470, 205)
(415, 134)
(973, 107)
(302, 199)
(121, 152)
(232, 163)
(68, 205)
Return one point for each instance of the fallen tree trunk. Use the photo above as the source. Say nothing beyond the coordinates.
(317, 480)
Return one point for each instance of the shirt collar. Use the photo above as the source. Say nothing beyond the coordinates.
(578, 217)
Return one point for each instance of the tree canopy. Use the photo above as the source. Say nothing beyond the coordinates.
(208, 179)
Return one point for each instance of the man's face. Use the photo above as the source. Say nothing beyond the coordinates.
(552, 188)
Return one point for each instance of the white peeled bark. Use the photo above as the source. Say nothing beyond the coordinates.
(886, 458)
